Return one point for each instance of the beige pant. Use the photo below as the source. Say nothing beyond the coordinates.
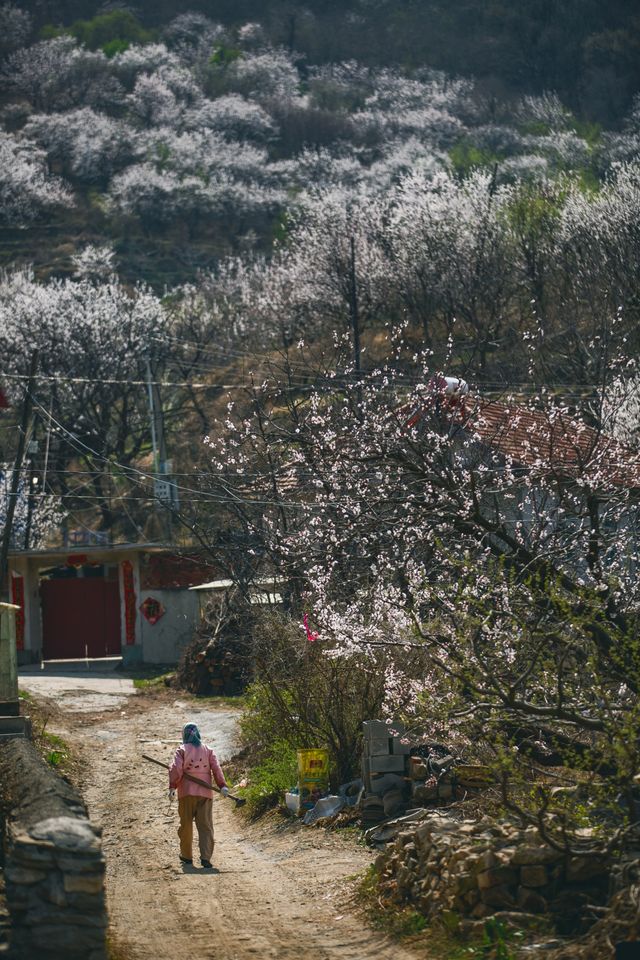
(199, 809)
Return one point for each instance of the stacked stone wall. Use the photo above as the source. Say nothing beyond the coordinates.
(474, 869)
(53, 862)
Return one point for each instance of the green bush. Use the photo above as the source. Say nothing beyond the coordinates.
(305, 697)
(270, 779)
(222, 56)
(466, 157)
(113, 47)
(108, 28)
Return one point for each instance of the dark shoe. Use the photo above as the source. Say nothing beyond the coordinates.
(207, 864)
(185, 859)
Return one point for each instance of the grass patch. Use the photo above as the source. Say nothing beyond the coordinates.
(56, 750)
(25, 695)
(153, 680)
(269, 780)
(219, 700)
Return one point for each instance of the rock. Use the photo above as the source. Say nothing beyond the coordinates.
(29, 851)
(56, 940)
(67, 833)
(55, 890)
(526, 856)
(498, 876)
(488, 860)
(24, 875)
(581, 869)
(481, 910)
(498, 897)
(534, 876)
(531, 901)
(80, 862)
(84, 883)
(464, 883)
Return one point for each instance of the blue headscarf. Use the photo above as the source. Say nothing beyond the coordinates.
(191, 734)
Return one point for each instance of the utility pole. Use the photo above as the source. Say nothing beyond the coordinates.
(27, 404)
(164, 490)
(354, 316)
(32, 450)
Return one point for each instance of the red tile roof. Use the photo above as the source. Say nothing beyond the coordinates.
(549, 442)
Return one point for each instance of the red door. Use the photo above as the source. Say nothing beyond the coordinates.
(80, 617)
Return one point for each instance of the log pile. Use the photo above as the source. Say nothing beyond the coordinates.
(219, 661)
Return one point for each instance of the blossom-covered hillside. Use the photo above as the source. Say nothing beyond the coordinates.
(199, 140)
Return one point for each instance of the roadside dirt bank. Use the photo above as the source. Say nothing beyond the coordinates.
(278, 890)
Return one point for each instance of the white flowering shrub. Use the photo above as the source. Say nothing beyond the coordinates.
(15, 28)
(192, 37)
(546, 110)
(57, 74)
(265, 75)
(26, 188)
(90, 146)
(95, 338)
(400, 519)
(94, 263)
(153, 103)
(145, 59)
(233, 116)
(341, 86)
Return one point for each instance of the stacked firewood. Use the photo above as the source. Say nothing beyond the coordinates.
(219, 658)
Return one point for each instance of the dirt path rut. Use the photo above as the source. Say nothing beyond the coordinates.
(279, 890)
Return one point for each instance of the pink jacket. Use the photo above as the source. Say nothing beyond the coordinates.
(201, 762)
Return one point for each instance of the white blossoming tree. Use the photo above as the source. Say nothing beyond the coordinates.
(497, 538)
(26, 188)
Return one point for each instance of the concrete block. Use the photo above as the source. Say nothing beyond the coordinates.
(378, 747)
(11, 727)
(399, 748)
(374, 729)
(380, 785)
(389, 764)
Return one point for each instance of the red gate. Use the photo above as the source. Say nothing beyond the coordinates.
(80, 617)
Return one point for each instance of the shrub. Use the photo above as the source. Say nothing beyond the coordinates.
(304, 696)
(104, 29)
(270, 779)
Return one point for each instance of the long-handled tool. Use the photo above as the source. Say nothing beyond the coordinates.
(239, 801)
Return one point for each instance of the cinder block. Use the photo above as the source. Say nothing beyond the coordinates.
(378, 747)
(380, 785)
(366, 772)
(374, 729)
(389, 764)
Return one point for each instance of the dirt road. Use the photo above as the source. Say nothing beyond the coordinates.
(280, 890)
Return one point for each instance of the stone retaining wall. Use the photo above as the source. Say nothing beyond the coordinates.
(53, 862)
(474, 869)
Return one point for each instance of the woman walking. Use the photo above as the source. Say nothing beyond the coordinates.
(195, 802)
